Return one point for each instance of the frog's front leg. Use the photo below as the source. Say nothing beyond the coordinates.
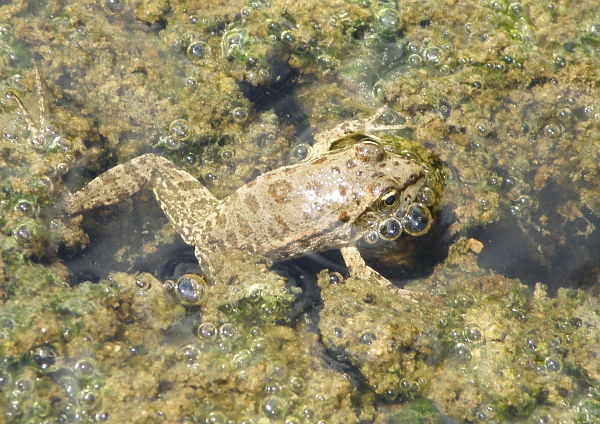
(359, 269)
(184, 200)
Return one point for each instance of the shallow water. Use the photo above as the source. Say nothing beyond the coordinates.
(99, 319)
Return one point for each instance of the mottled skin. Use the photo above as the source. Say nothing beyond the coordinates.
(307, 207)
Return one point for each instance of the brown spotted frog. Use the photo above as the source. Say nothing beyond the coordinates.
(329, 201)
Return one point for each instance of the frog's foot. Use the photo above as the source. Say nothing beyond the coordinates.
(184, 200)
(37, 132)
(359, 269)
(324, 140)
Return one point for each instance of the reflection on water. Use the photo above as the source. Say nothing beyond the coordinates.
(92, 323)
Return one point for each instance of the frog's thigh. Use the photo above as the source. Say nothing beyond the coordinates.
(358, 268)
(114, 185)
(324, 139)
(183, 198)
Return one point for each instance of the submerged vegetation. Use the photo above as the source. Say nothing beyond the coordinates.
(105, 317)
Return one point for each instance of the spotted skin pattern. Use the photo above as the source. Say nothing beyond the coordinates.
(307, 207)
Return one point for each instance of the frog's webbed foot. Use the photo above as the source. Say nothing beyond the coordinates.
(325, 139)
(36, 131)
(358, 268)
(184, 200)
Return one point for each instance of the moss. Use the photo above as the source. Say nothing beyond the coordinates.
(504, 96)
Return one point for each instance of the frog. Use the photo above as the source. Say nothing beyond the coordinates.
(330, 200)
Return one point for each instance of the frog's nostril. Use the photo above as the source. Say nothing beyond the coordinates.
(368, 151)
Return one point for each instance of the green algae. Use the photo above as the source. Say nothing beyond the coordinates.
(505, 94)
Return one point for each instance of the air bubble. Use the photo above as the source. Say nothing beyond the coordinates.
(240, 114)
(472, 333)
(524, 201)
(169, 285)
(233, 41)
(44, 356)
(326, 62)
(483, 128)
(388, 20)
(172, 143)
(371, 237)
(433, 55)
(413, 47)
(553, 364)
(417, 219)
(190, 159)
(242, 359)
(113, 7)
(273, 407)
(552, 130)
(390, 229)
(565, 114)
(300, 152)
(515, 210)
(367, 338)
(197, 51)
(88, 399)
(497, 6)
(189, 353)
(84, 367)
(25, 206)
(227, 154)
(142, 282)
(258, 344)
(102, 416)
(462, 352)
(216, 418)
(62, 168)
(426, 196)
(23, 234)
(288, 37)
(45, 185)
(297, 384)
(4, 379)
(273, 26)
(415, 59)
(228, 331)
(180, 129)
(207, 331)
(61, 143)
(515, 8)
(189, 289)
(335, 278)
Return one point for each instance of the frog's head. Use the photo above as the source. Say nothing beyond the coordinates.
(401, 191)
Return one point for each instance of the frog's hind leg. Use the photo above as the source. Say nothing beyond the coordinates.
(184, 200)
(323, 140)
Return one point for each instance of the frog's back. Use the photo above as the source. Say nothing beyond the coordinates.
(298, 209)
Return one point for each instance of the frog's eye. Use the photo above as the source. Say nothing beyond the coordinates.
(388, 199)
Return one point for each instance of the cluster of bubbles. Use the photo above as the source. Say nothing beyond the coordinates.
(243, 349)
(464, 340)
(390, 220)
(78, 381)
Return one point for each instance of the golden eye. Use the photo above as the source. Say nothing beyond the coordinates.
(388, 200)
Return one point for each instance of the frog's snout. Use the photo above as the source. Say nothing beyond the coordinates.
(369, 151)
